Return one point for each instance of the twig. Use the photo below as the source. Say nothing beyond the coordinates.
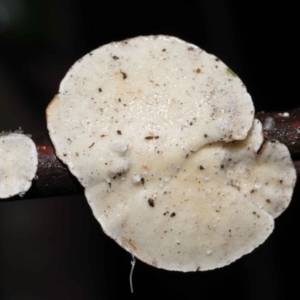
(54, 178)
(284, 127)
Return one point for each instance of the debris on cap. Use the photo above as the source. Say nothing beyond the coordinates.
(262, 171)
(149, 127)
(18, 164)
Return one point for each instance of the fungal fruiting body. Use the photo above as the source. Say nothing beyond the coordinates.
(162, 136)
(18, 164)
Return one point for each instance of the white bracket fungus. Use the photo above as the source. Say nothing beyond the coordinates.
(150, 126)
(18, 164)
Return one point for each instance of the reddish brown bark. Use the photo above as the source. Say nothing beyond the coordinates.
(284, 127)
(53, 177)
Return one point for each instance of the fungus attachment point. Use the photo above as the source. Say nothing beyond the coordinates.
(171, 167)
(18, 164)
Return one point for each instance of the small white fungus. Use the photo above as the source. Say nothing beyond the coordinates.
(18, 164)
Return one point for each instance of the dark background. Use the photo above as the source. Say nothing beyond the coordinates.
(53, 248)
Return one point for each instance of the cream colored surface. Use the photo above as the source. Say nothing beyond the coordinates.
(142, 124)
(18, 164)
(263, 173)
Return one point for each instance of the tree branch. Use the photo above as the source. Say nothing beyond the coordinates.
(284, 127)
(54, 178)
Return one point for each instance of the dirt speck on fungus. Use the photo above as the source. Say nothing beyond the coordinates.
(151, 202)
(123, 74)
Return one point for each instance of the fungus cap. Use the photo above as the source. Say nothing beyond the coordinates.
(145, 125)
(18, 164)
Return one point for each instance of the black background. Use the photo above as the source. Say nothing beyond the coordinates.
(54, 248)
